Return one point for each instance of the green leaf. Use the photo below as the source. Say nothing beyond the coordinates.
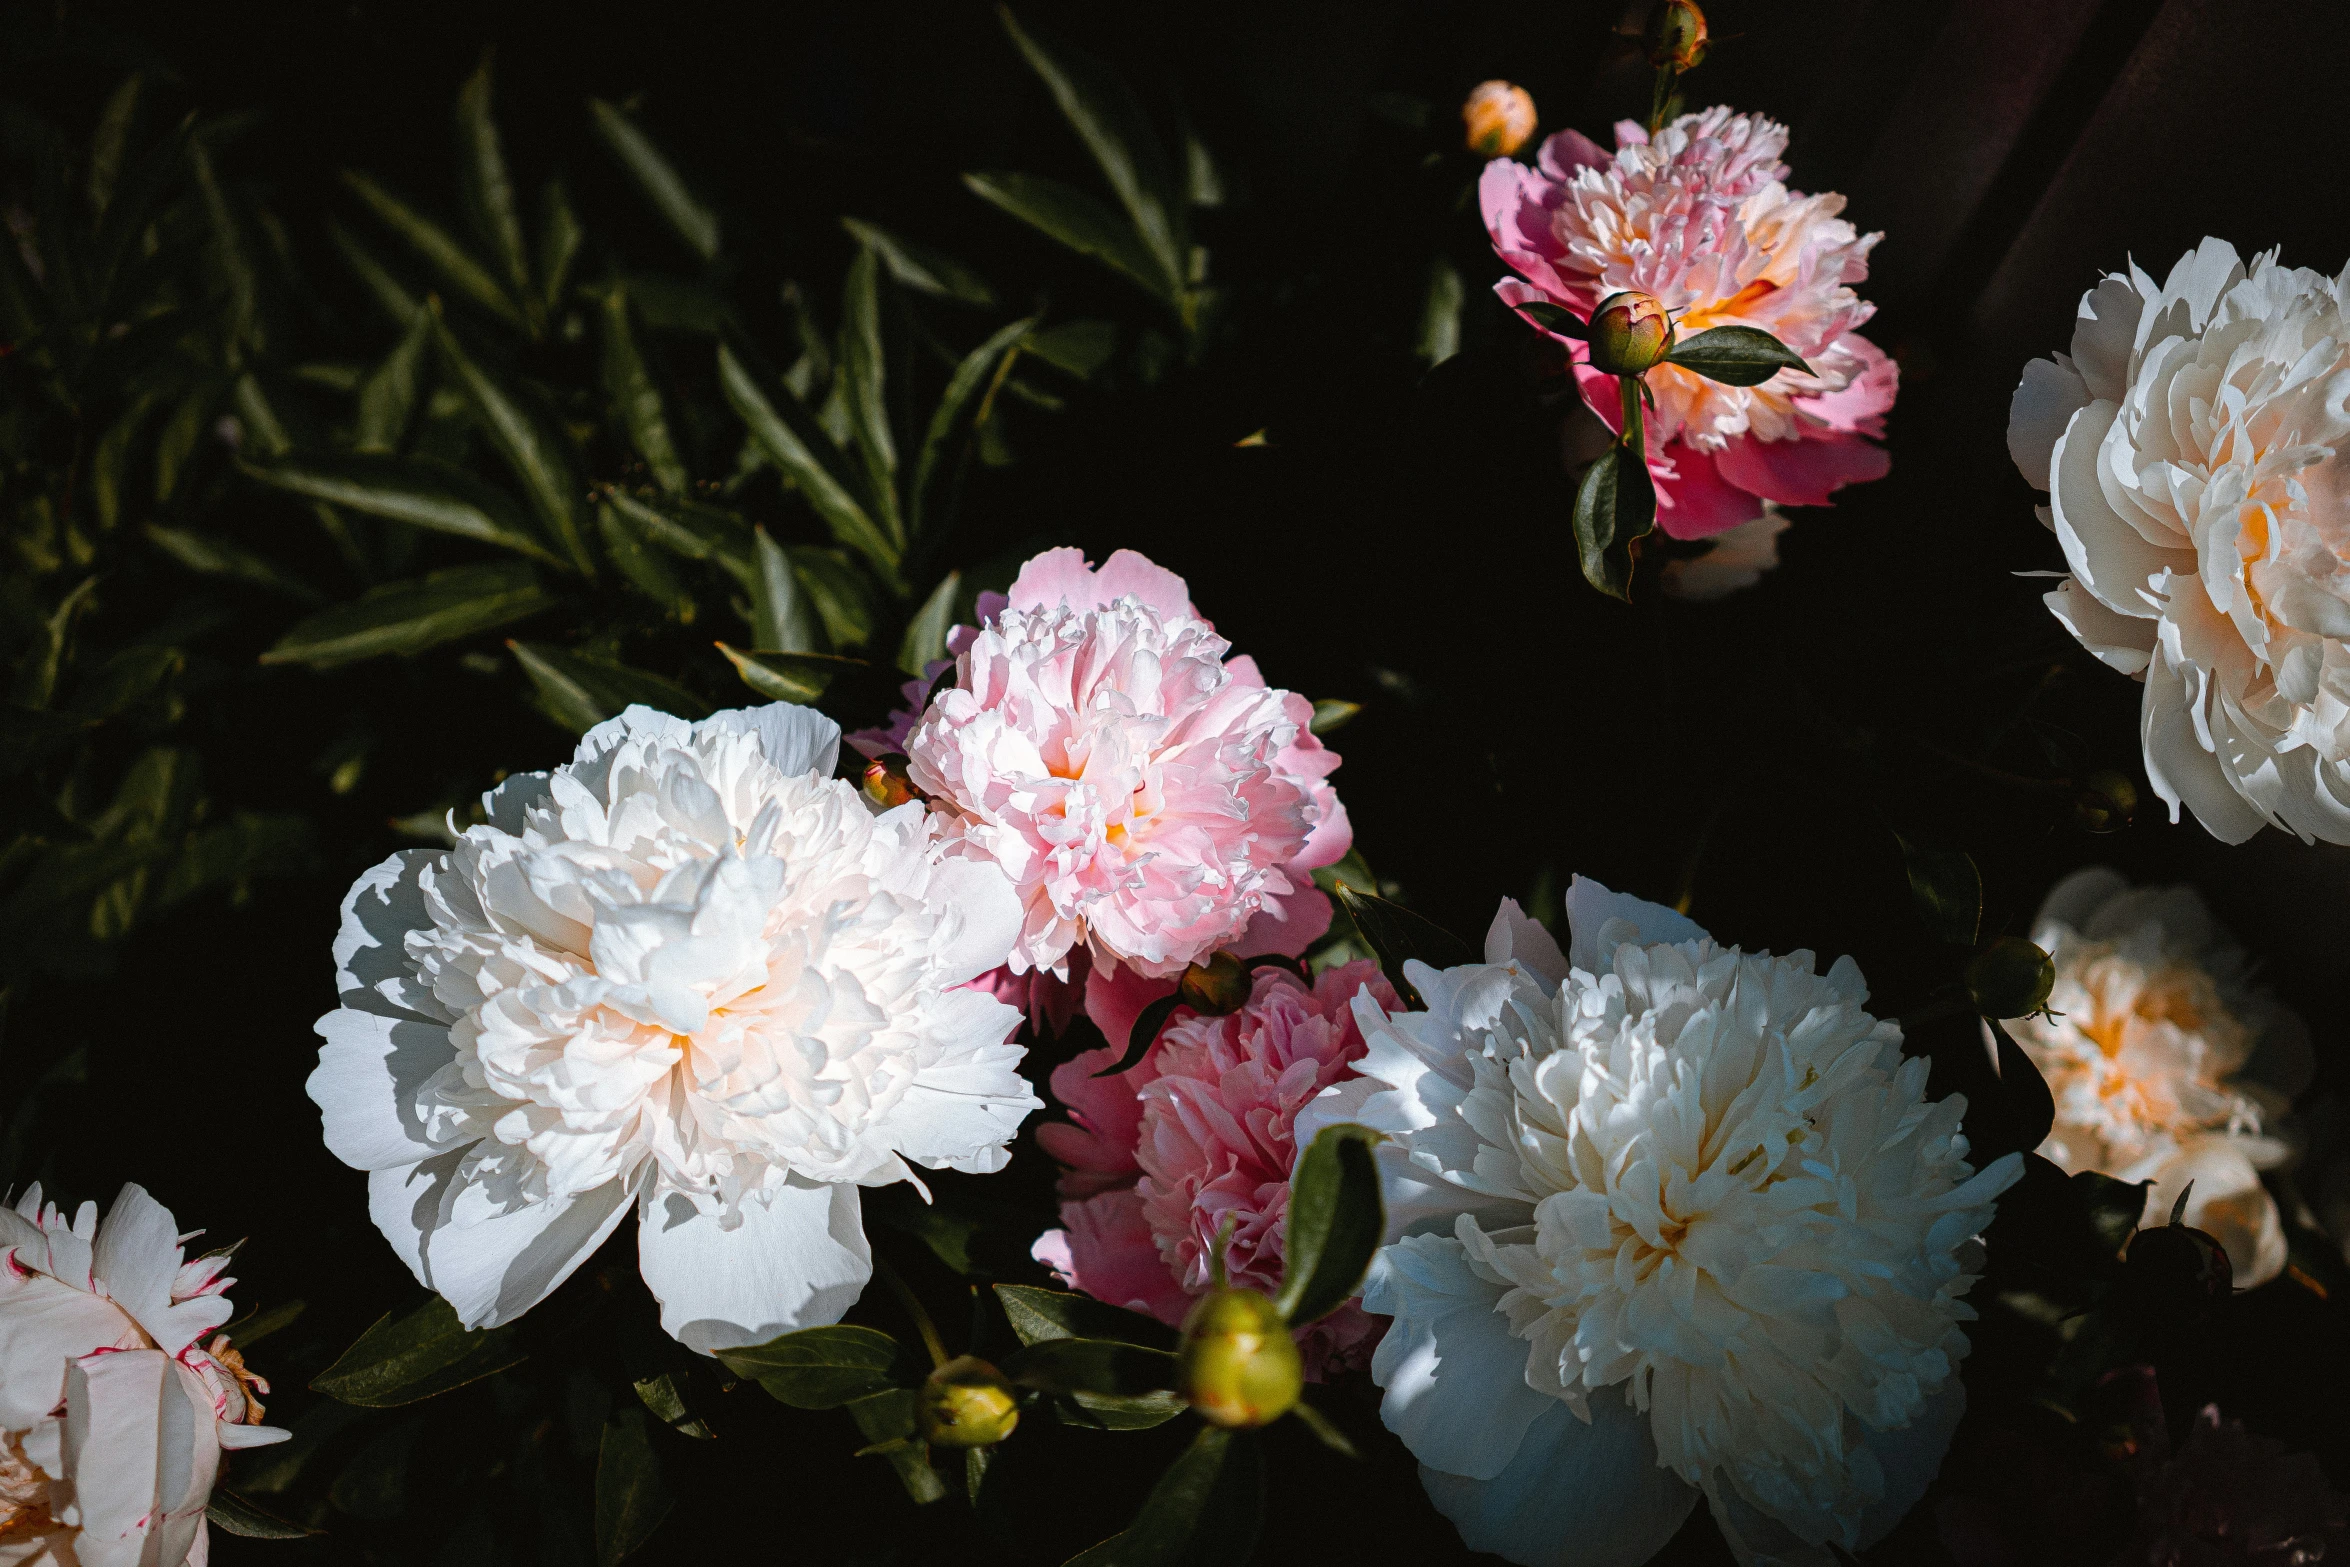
(579, 690)
(110, 142)
(665, 1399)
(887, 1422)
(426, 1352)
(1615, 505)
(1324, 1431)
(529, 437)
(1109, 119)
(245, 1332)
(842, 596)
(818, 1368)
(779, 615)
(692, 222)
(1399, 936)
(632, 1495)
(410, 616)
(1080, 221)
(1335, 1222)
(921, 269)
(1079, 348)
(214, 556)
(946, 447)
(1204, 1512)
(1735, 355)
(1332, 716)
(110, 463)
(176, 442)
(790, 438)
(559, 241)
(438, 248)
(789, 677)
(242, 326)
(388, 397)
(1555, 318)
(386, 290)
(1037, 1315)
(489, 193)
(630, 549)
(629, 382)
(2027, 1106)
(694, 531)
(1089, 1365)
(231, 1512)
(926, 634)
(2113, 1207)
(1440, 313)
(864, 395)
(1946, 889)
(418, 491)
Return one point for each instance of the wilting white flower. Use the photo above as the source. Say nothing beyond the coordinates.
(113, 1413)
(2150, 1053)
(2188, 445)
(689, 972)
(1668, 1220)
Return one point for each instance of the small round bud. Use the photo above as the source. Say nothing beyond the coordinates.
(1238, 1364)
(967, 1403)
(1676, 36)
(2105, 802)
(1499, 117)
(1219, 987)
(1630, 334)
(886, 784)
(2010, 978)
(2178, 1265)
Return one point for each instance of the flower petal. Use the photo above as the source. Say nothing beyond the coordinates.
(796, 739)
(797, 1259)
(493, 1265)
(1455, 1378)
(1591, 908)
(136, 1257)
(1574, 1495)
(366, 1082)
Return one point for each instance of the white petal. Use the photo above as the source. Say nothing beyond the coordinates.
(2229, 1204)
(2044, 403)
(44, 1325)
(2180, 769)
(1910, 1458)
(494, 1269)
(988, 918)
(365, 1085)
(633, 721)
(798, 1259)
(2123, 642)
(1575, 1495)
(372, 970)
(236, 1438)
(796, 739)
(1455, 1378)
(1517, 935)
(406, 1201)
(136, 1258)
(1591, 906)
(138, 1448)
(962, 1109)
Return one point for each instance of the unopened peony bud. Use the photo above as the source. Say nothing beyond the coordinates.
(2010, 978)
(1219, 987)
(886, 783)
(1499, 117)
(967, 1403)
(1238, 1364)
(2175, 1266)
(1630, 334)
(2106, 801)
(1676, 36)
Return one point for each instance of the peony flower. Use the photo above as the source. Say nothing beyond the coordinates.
(1497, 118)
(2145, 1045)
(1667, 1220)
(1200, 1135)
(2188, 447)
(1697, 216)
(113, 1412)
(691, 973)
(1149, 797)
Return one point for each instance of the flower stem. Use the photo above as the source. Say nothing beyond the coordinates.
(922, 1323)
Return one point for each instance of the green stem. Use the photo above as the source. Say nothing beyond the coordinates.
(922, 1323)
(1634, 436)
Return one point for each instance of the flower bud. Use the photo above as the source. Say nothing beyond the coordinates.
(1237, 1364)
(886, 783)
(2105, 802)
(1219, 987)
(2179, 1267)
(1630, 334)
(1499, 117)
(2010, 978)
(967, 1403)
(1676, 36)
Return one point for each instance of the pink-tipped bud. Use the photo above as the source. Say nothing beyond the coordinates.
(1676, 36)
(1238, 1364)
(1630, 334)
(1500, 118)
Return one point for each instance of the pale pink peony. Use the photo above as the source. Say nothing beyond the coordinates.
(1698, 216)
(1202, 1134)
(1150, 797)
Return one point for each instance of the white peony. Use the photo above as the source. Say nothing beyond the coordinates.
(113, 1413)
(690, 973)
(2188, 445)
(2155, 1050)
(1667, 1220)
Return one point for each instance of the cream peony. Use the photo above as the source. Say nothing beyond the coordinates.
(113, 1413)
(2150, 1050)
(690, 973)
(1669, 1220)
(2188, 447)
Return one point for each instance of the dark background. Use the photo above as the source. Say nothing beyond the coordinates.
(1400, 541)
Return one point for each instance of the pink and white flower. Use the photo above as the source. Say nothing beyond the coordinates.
(113, 1411)
(1149, 795)
(1199, 1136)
(1699, 217)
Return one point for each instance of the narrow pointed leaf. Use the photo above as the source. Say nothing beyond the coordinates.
(1555, 318)
(789, 677)
(581, 690)
(865, 395)
(946, 446)
(1947, 890)
(632, 1494)
(389, 395)
(386, 290)
(1037, 1314)
(1335, 1221)
(887, 1422)
(438, 248)
(419, 491)
(1080, 348)
(1204, 1511)
(110, 142)
(780, 617)
(818, 1368)
(636, 397)
(1090, 1365)
(920, 268)
(559, 241)
(215, 556)
(789, 436)
(410, 616)
(241, 328)
(404, 1359)
(1076, 219)
(926, 635)
(1398, 936)
(2027, 1104)
(633, 553)
(842, 596)
(530, 438)
(1735, 355)
(694, 531)
(692, 222)
(231, 1512)
(489, 192)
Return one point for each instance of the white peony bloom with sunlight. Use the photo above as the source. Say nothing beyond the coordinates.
(114, 1412)
(2191, 449)
(2165, 1063)
(1667, 1220)
(689, 973)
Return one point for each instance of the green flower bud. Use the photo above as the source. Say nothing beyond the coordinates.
(886, 784)
(1676, 36)
(1218, 987)
(1238, 1364)
(2010, 978)
(967, 1403)
(1630, 334)
(2106, 801)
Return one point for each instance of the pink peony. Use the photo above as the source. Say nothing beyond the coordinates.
(1149, 797)
(1699, 218)
(1157, 1161)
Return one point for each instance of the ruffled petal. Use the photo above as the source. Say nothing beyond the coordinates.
(798, 1258)
(1575, 1494)
(1455, 1378)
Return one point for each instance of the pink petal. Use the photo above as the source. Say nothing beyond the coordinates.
(1564, 153)
(1801, 473)
(1693, 501)
(1859, 407)
(1112, 1256)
